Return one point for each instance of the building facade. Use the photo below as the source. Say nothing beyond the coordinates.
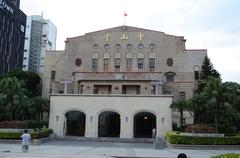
(123, 72)
(12, 34)
(40, 36)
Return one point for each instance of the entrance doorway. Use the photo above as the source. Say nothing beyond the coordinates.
(144, 122)
(75, 123)
(109, 124)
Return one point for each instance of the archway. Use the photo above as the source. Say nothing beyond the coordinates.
(144, 122)
(76, 121)
(109, 124)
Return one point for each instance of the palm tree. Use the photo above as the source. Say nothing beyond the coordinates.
(38, 106)
(197, 104)
(217, 95)
(181, 105)
(13, 89)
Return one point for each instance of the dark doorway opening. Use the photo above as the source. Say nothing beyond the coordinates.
(144, 122)
(75, 123)
(109, 124)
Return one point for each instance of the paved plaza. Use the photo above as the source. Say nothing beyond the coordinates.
(80, 149)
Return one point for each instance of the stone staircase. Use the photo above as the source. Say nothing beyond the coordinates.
(105, 139)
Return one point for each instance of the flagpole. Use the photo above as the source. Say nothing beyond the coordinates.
(124, 18)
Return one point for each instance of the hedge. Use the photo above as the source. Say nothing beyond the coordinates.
(34, 134)
(23, 124)
(227, 156)
(176, 138)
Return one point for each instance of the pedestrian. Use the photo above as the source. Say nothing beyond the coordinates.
(26, 138)
(182, 155)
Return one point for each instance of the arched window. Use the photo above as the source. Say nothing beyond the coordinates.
(196, 73)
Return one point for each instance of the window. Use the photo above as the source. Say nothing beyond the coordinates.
(53, 75)
(94, 64)
(169, 62)
(182, 95)
(170, 76)
(140, 63)
(138, 90)
(78, 62)
(129, 64)
(152, 64)
(196, 73)
(117, 64)
(50, 43)
(105, 64)
(95, 90)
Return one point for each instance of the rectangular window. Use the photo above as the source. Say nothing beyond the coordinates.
(129, 64)
(196, 74)
(94, 64)
(106, 64)
(152, 64)
(182, 95)
(170, 78)
(53, 74)
(117, 64)
(95, 90)
(140, 63)
(138, 90)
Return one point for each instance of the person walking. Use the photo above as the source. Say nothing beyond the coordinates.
(26, 138)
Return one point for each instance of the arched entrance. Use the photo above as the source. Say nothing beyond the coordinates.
(144, 122)
(109, 124)
(75, 123)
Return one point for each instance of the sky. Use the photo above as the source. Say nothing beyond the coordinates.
(206, 24)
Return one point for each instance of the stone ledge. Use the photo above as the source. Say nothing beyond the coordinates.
(18, 141)
(200, 147)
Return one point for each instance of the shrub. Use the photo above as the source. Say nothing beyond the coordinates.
(23, 124)
(36, 124)
(13, 124)
(199, 128)
(34, 134)
(175, 138)
(227, 156)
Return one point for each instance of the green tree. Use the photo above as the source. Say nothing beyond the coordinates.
(181, 105)
(217, 95)
(198, 104)
(13, 92)
(31, 80)
(207, 70)
(38, 106)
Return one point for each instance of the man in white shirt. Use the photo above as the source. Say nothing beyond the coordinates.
(26, 138)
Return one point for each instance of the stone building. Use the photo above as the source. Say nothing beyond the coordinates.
(119, 82)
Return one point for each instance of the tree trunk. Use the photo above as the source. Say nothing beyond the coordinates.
(181, 119)
(216, 122)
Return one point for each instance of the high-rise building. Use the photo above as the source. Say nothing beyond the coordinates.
(12, 34)
(40, 36)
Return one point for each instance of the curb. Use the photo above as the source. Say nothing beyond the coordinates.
(200, 147)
